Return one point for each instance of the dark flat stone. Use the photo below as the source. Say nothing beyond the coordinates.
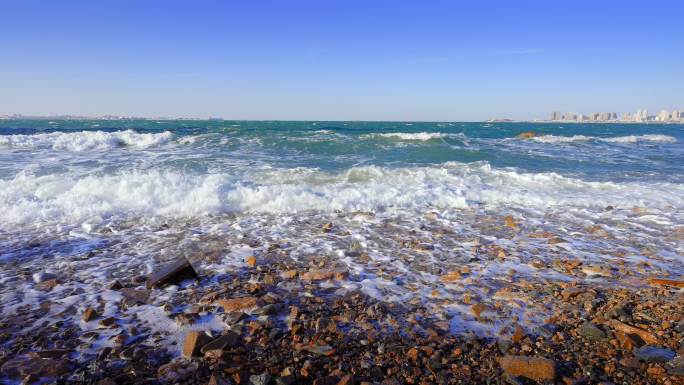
(172, 274)
(592, 332)
(136, 296)
(227, 340)
(51, 353)
(654, 354)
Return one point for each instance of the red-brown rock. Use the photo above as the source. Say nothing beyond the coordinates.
(666, 282)
(534, 368)
(89, 314)
(240, 303)
(649, 338)
(526, 135)
(22, 367)
(324, 274)
(194, 341)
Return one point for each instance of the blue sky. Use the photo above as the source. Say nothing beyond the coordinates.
(339, 60)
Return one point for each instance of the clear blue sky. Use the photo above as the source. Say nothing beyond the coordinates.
(360, 60)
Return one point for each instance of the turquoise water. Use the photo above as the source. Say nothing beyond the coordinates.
(335, 146)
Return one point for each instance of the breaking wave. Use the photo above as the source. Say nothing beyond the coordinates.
(419, 136)
(86, 140)
(65, 198)
(630, 139)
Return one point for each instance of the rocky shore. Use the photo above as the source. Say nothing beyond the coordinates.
(279, 320)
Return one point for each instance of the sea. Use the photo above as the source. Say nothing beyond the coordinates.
(99, 199)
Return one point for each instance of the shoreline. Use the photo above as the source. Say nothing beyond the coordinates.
(272, 318)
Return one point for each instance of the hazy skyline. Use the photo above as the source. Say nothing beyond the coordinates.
(348, 60)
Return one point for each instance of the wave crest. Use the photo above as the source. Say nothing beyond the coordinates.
(86, 140)
(630, 139)
(418, 136)
(67, 198)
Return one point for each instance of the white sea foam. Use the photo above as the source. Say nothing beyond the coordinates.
(630, 139)
(69, 199)
(418, 136)
(86, 140)
(652, 138)
(190, 139)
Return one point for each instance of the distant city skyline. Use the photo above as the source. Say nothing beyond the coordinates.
(334, 60)
(640, 116)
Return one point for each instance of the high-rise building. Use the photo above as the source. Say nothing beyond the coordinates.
(606, 116)
(641, 115)
(663, 116)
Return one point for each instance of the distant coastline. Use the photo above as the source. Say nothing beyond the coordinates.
(199, 119)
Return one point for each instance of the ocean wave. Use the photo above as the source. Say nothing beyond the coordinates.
(630, 139)
(69, 199)
(652, 138)
(86, 140)
(190, 139)
(418, 136)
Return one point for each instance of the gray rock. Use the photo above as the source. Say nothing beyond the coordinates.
(591, 331)
(43, 276)
(233, 318)
(504, 345)
(676, 366)
(620, 312)
(285, 380)
(355, 249)
(260, 379)
(546, 330)
(680, 326)
(186, 319)
(654, 354)
(269, 309)
(324, 324)
(230, 339)
(136, 296)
